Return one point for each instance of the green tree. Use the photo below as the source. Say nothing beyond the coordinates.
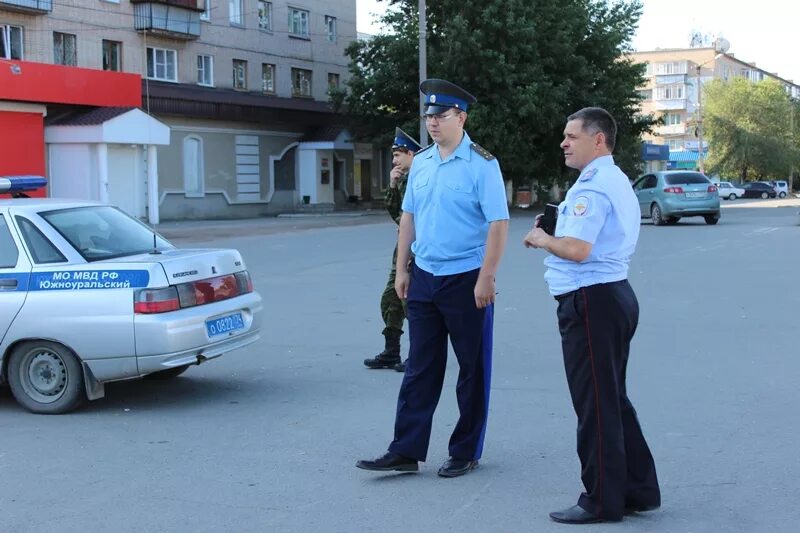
(749, 129)
(530, 63)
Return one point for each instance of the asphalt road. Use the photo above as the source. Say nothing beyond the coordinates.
(265, 439)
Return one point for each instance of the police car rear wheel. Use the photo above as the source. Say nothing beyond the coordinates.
(46, 377)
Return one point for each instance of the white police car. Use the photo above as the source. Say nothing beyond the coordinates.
(90, 295)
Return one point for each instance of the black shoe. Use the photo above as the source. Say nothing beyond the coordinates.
(383, 360)
(635, 508)
(389, 462)
(577, 515)
(401, 367)
(456, 467)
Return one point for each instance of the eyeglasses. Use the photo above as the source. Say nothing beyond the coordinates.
(441, 117)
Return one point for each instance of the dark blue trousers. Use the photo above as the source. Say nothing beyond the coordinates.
(439, 307)
(597, 324)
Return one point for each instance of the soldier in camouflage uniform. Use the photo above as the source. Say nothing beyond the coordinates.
(393, 308)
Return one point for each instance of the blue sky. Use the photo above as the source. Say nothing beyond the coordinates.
(763, 32)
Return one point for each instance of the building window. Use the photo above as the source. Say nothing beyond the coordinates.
(205, 70)
(646, 94)
(671, 67)
(672, 119)
(264, 15)
(112, 56)
(193, 180)
(330, 25)
(298, 22)
(301, 82)
(206, 15)
(670, 92)
(333, 81)
(10, 42)
(267, 78)
(64, 52)
(648, 69)
(236, 12)
(162, 64)
(239, 74)
(675, 144)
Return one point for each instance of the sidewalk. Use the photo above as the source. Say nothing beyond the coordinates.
(215, 229)
(284, 223)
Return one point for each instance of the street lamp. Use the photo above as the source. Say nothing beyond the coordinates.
(699, 131)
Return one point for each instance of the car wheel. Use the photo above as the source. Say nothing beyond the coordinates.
(764, 195)
(46, 377)
(782, 194)
(655, 214)
(711, 219)
(731, 196)
(168, 373)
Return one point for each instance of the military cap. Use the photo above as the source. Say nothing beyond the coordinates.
(441, 95)
(404, 140)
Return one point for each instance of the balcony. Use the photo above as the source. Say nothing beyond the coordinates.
(177, 19)
(670, 79)
(672, 129)
(30, 7)
(669, 105)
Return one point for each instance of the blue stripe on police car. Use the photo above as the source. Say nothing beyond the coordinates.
(88, 280)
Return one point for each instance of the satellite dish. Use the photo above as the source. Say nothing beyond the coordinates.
(721, 45)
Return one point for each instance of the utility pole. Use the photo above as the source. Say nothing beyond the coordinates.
(700, 164)
(423, 70)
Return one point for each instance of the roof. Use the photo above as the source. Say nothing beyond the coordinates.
(45, 204)
(197, 93)
(685, 155)
(323, 134)
(92, 117)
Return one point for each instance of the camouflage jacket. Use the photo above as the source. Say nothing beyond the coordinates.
(394, 198)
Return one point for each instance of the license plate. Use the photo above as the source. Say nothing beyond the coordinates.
(224, 324)
(695, 195)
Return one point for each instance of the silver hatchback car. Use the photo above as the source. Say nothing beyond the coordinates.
(89, 295)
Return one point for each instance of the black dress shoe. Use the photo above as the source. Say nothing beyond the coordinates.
(456, 467)
(577, 515)
(389, 462)
(635, 508)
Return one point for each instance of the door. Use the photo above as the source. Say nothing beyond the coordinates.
(15, 271)
(126, 179)
(645, 190)
(366, 179)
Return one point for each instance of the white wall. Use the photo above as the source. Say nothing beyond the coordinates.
(72, 172)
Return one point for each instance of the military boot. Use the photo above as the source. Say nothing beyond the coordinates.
(390, 355)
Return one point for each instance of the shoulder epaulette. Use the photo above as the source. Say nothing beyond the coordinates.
(483, 152)
(427, 147)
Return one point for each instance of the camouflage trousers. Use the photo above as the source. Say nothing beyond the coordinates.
(393, 309)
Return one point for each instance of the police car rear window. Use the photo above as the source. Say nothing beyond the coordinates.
(8, 250)
(42, 250)
(103, 232)
(686, 178)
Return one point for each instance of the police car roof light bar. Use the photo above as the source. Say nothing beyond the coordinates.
(18, 184)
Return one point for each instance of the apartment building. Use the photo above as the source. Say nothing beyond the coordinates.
(241, 85)
(671, 92)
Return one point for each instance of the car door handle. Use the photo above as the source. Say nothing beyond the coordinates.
(8, 284)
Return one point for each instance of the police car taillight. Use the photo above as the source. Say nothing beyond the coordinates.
(216, 289)
(244, 281)
(20, 184)
(149, 301)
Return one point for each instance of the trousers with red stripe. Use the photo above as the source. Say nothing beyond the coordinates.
(440, 307)
(597, 324)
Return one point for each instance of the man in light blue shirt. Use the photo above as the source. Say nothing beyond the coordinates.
(455, 220)
(595, 236)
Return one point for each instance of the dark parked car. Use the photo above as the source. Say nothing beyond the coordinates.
(759, 189)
